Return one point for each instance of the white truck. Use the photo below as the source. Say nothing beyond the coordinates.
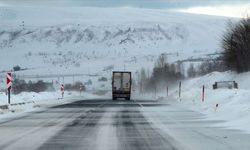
(121, 85)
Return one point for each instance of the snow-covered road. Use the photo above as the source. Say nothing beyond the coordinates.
(114, 125)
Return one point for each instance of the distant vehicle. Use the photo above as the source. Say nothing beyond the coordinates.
(225, 84)
(121, 85)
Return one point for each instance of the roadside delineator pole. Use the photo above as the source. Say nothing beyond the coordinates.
(9, 84)
(62, 90)
(167, 91)
(203, 93)
(180, 90)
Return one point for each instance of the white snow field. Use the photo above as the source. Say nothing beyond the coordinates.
(234, 104)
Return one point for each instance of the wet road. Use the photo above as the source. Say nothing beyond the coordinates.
(116, 125)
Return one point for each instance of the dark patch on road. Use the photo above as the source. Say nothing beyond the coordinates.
(138, 134)
(73, 134)
(83, 103)
(133, 131)
(110, 103)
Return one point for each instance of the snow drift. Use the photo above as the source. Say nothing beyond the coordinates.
(234, 104)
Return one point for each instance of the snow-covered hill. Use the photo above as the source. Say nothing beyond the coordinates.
(88, 40)
(233, 104)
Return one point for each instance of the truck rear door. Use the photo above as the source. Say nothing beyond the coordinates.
(117, 83)
(126, 77)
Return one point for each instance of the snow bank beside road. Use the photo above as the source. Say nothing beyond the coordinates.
(28, 101)
(234, 104)
(32, 97)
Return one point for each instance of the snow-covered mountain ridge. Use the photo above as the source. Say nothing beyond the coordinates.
(106, 26)
(88, 40)
(109, 36)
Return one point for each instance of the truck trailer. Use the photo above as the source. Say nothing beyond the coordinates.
(121, 85)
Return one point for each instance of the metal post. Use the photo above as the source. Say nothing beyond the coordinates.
(179, 89)
(203, 93)
(167, 91)
(9, 96)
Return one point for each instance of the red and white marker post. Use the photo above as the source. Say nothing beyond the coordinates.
(9, 84)
(62, 90)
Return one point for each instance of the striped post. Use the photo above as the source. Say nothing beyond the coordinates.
(62, 90)
(9, 84)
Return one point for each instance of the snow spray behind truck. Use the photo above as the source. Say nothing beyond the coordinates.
(121, 85)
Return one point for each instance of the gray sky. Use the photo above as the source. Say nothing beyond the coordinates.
(163, 4)
(232, 8)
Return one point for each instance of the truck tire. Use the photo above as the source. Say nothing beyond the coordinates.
(127, 98)
(114, 98)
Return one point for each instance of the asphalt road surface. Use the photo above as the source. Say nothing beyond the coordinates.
(117, 125)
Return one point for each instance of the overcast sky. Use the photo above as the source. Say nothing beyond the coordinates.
(121, 3)
(234, 8)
